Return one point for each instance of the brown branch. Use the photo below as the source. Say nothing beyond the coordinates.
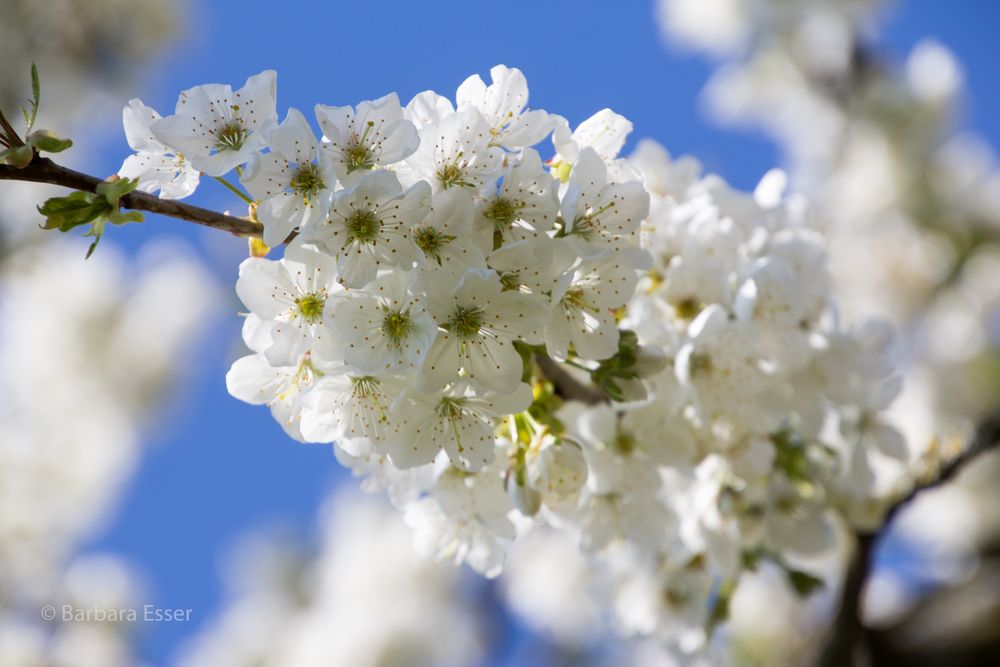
(847, 644)
(566, 385)
(44, 170)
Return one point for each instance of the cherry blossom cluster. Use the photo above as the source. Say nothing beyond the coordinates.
(622, 349)
(766, 426)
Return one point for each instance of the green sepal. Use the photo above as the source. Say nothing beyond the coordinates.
(45, 140)
(621, 366)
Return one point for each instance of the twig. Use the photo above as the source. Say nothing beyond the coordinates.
(44, 170)
(847, 640)
(566, 385)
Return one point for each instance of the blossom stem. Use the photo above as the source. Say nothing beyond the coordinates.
(44, 170)
(577, 364)
(235, 190)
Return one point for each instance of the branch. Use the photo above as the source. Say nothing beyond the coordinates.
(44, 170)
(848, 635)
(566, 385)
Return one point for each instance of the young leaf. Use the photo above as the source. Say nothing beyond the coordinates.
(65, 213)
(96, 209)
(45, 140)
(18, 156)
(113, 190)
(36, 95)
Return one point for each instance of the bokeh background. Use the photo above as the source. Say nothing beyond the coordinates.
(196, 471)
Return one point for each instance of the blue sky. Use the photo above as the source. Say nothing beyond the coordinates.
(216, 467)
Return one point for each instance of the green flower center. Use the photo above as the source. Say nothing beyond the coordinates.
(503, 212)
(364, 226)
(624, 443)
(510, 281)
(466, 321)
(430, 241)
(451, 175)
(307, 180)
(575, 297)
(230, 137)
(450, 408)
(687, 309)
(397, 326)
(358, 157)
(310, 306)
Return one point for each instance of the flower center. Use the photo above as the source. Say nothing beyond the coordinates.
(430, 241)
(307, 180)
(510, 281)
(365, 386)
(700, 364)
(503, 212)
(450, 408)
(688, 308)
(311, 306)
(363, 225)
(230, 137)
(359, 156)
(624, 444)
(397, 326)
(576, 298)
(466, 321)
(452, 174)
(586, 225)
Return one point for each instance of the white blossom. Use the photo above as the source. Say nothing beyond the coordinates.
(369, 224)
(372, 135)
(217, 128)
(504, 104)
(293, 182)
(479, 323)
(156, 165)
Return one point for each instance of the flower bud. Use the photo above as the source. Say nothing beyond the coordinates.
(649, 361)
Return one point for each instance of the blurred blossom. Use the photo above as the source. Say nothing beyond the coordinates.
(89, 583)
(910, 208)
(549, 583)
(365, 599)
(87, 350)
(904, 201)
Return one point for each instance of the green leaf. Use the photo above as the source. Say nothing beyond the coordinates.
(805, 584)
(25, 115)
(92, 248)
(45, 140)
(36, 96)
(36, 87)
(78, 208)
(123, 218)
(96, 209)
